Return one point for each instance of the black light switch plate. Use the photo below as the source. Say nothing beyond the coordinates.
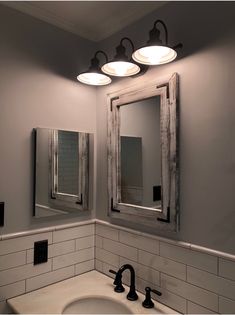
(40, 252)
(157, 193)
(2, 205)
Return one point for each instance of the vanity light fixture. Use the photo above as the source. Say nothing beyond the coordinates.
(156, 52)
(121, 65)
(94, 75)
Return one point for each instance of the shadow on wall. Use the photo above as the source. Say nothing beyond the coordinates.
(200, 16)
(191, 17)
(32, 41)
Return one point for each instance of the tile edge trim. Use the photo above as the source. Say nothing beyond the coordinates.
(45, 229)
(191, 246)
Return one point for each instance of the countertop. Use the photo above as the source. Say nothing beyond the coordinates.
(54, 298)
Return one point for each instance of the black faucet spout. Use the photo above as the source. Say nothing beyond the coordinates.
(132, 295)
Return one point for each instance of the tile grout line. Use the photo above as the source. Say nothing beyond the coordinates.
(195, 285)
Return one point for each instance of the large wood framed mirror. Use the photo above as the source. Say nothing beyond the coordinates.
(143, 154)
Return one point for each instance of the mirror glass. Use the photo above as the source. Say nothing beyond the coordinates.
(68, 162)
(61, 172)
(140, 150)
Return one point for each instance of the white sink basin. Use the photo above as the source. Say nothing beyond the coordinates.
(96, 305)
(89, 293)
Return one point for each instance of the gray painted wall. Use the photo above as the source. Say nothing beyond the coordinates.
(38, 65)
(207, 118)
(38, 88)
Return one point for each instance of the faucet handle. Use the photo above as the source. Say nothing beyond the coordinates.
(117, 281)
(148, 303)
(112, 271)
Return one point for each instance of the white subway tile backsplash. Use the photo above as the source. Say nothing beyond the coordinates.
(73, 233)
(190, 292)
(106, 268)
(170, 299)
(105, 256)
(11, 290)
(143, 272)
(192, 280)
(23, 272)
(22, 243)
(226, 306)
(84, 267)
(162, 264)
(98, 241)
(98, 265)
(12, 260)
(49, 278)
(85, 242)
(189, 257)
(107, 232)
(148, 274)
(120, 249)
(140, 242)
(61, 248)
(211, 282)
(193, 308)
(227, 268)
(55, 250)
(73, 258)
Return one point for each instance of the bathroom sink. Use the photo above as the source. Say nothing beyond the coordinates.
(89, 293)
(96, 305)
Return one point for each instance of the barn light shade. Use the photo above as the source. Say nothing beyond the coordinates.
(136, 62)
(155, 52)
(94, 75)
(121, 65)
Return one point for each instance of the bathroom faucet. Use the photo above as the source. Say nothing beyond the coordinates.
(132, 295)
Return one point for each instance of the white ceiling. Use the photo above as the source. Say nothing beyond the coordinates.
(94, 20)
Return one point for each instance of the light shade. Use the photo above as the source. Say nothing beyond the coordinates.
(121, 68)
(94, 78)
(154, 55)
(155, 52)
(121, 65)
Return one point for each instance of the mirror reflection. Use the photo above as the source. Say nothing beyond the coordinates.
(140, 150)
(68, 162)
(61, 172)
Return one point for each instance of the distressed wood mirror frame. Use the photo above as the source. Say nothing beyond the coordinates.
(167, 217)
(48, 199)
(79, 201)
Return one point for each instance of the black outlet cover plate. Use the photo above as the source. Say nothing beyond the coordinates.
(157, 193)
(2, 206)
(40, 252)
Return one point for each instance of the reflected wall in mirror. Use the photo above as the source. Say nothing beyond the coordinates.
(143, 154)
(140, 153)
(61, 172)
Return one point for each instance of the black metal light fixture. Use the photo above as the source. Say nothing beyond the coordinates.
(94, 75)
(156, 52)
(121, 65)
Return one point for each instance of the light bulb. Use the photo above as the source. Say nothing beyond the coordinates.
(154, 55)
(93, 78)
(120, 68)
